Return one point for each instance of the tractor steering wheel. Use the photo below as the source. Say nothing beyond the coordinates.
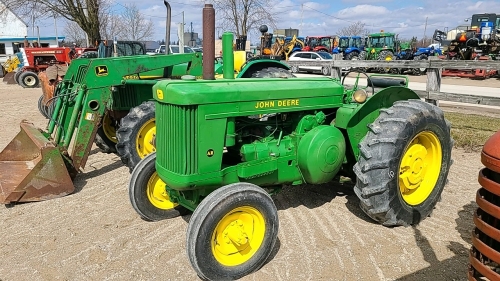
(358, 71)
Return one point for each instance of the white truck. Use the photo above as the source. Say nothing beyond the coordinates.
(174, 49)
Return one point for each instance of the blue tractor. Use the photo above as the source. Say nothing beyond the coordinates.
(350, 47)
(431, 50)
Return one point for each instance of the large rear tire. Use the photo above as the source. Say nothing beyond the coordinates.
(352, 56)
(386, 56)
(148, 195)
(403, 164)
(232, 232)
(420, 71)
(136, 134)
(272, 72)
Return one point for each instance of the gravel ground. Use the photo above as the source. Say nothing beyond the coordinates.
(94, 234)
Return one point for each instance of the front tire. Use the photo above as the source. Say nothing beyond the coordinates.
(105, 137)
(136, 134)
(148, 195)
(404, 163)
(29, 79)
(17, 75)
(325, 70)
(232, 232)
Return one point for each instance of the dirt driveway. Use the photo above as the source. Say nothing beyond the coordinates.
(95, 234)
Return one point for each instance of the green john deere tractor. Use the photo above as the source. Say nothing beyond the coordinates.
(380, 46)
(224, 146)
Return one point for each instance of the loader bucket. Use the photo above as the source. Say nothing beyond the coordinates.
(9, 78)
(32, 169)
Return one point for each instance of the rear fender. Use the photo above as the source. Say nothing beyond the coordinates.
(355, 120)
(259, 64)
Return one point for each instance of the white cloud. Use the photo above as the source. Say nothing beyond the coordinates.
(322, 17)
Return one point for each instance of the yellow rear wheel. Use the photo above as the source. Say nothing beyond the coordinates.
(420, 167)
(136, 134)
(404, 162)
(145, 138)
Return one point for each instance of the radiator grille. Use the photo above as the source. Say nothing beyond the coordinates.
(176, 133)
(125, 98)
(80, 75)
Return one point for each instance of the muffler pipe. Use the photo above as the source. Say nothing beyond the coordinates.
(169, 20)
(208, 42)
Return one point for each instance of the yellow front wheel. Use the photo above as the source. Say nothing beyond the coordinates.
(232, 232)
(404, 162)
(148, 193)
(105, 137)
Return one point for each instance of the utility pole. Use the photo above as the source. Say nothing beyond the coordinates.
(33, 24)
(425, 29)
(191, 44)
(55, 26)
(85, 12)
(181, 35)
(301, 15)
(38, 36)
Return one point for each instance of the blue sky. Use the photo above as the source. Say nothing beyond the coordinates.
(321, 17)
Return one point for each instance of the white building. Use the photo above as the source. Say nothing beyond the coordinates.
(13, 32)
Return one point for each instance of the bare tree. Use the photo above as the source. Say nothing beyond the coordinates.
(111, 26)
(355, 29)
(134, 25)
(74, 33)
(84, 12)
(244, 16)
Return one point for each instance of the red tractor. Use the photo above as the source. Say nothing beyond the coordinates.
(36, 60)
(319, 44)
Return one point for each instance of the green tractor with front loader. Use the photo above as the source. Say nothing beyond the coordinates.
(106, 101)
(223, 147)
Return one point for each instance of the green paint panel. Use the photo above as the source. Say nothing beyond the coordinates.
(251, 92)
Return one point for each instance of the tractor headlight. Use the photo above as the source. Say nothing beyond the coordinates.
(360, 96)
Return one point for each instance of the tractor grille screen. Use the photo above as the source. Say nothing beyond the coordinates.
(82, 71)
(126, 97)
(177, 132)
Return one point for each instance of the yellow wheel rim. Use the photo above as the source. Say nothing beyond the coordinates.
(388, 58)
(238, 236)
(108, 128)
(420, 167)
(157, 193)
(144, 142)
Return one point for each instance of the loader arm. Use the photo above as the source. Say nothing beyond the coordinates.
(84, 101)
